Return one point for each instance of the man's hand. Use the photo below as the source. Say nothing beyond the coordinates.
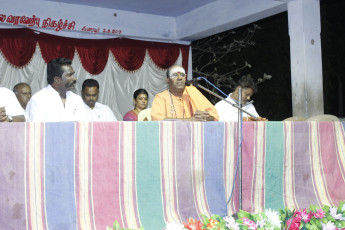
(3, 116)
(252, 119)
(202, 116)
(262, 119)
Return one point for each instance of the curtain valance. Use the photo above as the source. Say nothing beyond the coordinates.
(18, 47)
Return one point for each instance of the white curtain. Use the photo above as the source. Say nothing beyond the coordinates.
(116, 85)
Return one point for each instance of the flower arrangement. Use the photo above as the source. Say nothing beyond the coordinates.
(326, 218)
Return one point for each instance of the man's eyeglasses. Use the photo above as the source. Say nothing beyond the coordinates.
(175, 75)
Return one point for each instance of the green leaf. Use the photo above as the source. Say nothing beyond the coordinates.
(242, 214)
(116, 225)
(205, 221)
(340, 206)
(325, 208)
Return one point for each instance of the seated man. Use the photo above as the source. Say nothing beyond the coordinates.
(95, 111)
(228, 112)
(10, 109)
(56, 102)
(181, 101)
(23, 94)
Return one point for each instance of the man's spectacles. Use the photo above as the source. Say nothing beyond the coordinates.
(175, 75)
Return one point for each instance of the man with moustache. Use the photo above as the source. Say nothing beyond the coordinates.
(95, 111)
(180, 101)
(56, 102)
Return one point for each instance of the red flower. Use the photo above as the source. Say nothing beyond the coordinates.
(211, 224)
(296, 222)
(251, 224)
(193, 224)
(319, 214)
(305, 215)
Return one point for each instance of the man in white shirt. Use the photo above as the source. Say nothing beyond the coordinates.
(56, 102)
(10, 109)
(228, 112)
(95, 111)
(23, 94)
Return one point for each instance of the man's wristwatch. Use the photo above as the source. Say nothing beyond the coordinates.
(10, 118)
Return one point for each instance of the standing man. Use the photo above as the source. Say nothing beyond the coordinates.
(95, 111)
(10, 110)
(181, 101)
(23, 93)
(56, 102)
(228, 112)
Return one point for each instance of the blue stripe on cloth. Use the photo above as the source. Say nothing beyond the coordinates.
(214, 168)
(274, 165)
(148, 176)
(59, 175)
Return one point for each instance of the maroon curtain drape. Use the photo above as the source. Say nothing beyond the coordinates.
(52, 51)
(18, 51)
(164, 57)
(129, 58)
(18, 47)
(185, 55)
(93, 59)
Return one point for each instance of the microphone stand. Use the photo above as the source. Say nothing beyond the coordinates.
(240, 148)
(224, 99)
(240, 113)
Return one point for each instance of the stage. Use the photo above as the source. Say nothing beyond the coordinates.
(77, 175)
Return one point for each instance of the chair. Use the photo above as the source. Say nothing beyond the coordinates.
(296, 118)
(323, 117)
(146, 113)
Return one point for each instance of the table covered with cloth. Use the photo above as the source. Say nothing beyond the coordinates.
(81, 175)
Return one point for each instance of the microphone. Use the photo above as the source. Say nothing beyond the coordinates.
(194, 81)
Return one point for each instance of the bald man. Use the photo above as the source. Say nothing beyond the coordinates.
(23, 93)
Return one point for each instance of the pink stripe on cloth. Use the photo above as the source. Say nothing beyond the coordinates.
(34, 176)
(82, 176)
(12, 176)
(168, 162)
(248, 158)
(105, 173)
(335, 184)
(230, 160)
(127, 163)
(259, 169)
(316, 161)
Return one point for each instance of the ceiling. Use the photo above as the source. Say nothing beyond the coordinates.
(172, 8)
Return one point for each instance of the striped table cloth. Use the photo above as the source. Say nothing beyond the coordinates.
(75, 175)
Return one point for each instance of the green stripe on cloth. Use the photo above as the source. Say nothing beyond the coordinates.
(274, 165)
(148, 176)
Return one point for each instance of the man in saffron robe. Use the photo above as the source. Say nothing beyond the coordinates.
(181, 101)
